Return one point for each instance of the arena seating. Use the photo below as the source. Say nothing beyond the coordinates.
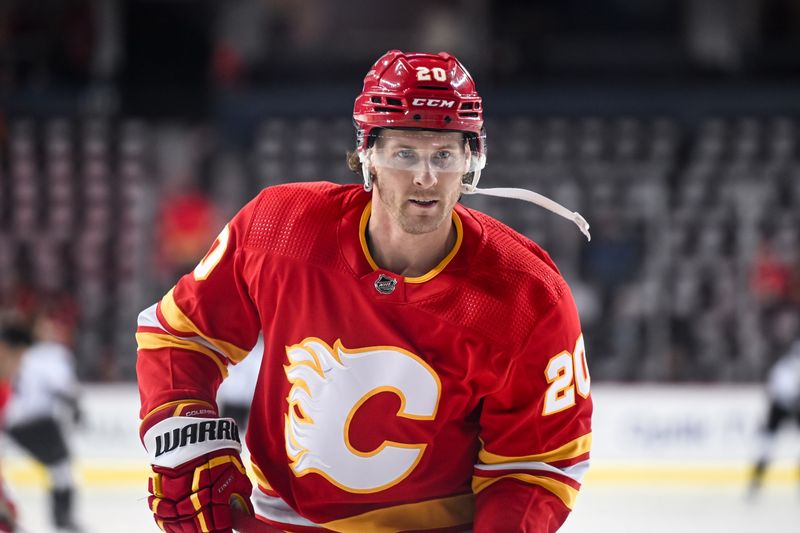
(682, 216)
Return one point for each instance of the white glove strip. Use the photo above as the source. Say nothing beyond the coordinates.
(177, 440)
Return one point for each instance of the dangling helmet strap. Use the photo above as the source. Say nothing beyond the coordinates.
(535, 198)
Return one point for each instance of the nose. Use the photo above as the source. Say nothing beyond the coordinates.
(425, 177)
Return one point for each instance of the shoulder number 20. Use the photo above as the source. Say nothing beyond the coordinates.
(214, 255)
(565, 373)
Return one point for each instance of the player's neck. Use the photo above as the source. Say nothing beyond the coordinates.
(407, 254)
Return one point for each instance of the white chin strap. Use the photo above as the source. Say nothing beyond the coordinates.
(501, 192)
(534, 198)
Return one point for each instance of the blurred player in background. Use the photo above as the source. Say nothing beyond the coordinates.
(44, 392)
(236, 393)
(783, 390)
(424, 366)
(15, 339)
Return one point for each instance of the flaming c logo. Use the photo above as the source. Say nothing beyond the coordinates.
(329, 384)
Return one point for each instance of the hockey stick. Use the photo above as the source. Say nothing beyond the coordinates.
(244, 523)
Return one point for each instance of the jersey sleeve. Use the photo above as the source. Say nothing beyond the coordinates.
(536, 430)
(206, 322)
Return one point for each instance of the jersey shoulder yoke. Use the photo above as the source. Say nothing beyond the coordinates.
(298, 220)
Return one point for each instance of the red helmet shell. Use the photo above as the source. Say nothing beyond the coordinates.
(415, 90)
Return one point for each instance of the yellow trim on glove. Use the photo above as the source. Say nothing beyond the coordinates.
(157, 485)
(202, 520)
(178, 403)
(216, 461)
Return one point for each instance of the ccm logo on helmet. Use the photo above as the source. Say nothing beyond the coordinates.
(432, 102)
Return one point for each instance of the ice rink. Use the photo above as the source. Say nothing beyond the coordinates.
(665, 460)
(603, 507)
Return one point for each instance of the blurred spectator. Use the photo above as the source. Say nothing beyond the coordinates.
(611, 261)
(187, 223)
(771, 277)
(771, 284)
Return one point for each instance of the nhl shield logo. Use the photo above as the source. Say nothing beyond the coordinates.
(385, 285)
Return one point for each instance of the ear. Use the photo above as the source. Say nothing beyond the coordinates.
(366, 168)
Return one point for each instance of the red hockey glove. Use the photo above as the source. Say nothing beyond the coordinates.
(197, 473)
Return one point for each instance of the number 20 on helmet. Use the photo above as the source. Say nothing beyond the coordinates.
(422, 92)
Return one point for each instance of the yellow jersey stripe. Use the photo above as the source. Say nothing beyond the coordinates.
(263, 482)
(431, 514)
(178, 321)
(570, 450)
(564, 492)
(156, 341)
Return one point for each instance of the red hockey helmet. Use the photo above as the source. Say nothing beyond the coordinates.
(420, 91)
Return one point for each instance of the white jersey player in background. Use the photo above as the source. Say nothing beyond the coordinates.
(783, 390)
(44, 394)
(235, 394)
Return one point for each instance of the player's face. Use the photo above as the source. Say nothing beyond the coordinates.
(418, 176)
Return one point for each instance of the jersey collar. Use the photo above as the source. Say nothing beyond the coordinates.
(448, 273)
(362, 236)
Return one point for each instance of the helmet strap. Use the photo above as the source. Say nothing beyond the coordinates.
(365, 171)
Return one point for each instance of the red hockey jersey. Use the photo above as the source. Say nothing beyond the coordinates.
(452, 400)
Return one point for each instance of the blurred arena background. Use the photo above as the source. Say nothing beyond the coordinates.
(130, 131)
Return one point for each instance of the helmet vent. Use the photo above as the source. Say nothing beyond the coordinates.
(470, 114)
(379, 109)
(375, 99)
(433, 87)
(394, 101)
(467, 105)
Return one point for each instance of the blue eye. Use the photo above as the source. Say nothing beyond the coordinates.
(405, 154)
(443, 154)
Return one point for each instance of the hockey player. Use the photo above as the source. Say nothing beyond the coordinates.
(424, 367)
(236, 393)
(43, 390)
(15, 339)
(783, 390)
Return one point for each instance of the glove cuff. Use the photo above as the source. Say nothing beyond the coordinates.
(179, 439)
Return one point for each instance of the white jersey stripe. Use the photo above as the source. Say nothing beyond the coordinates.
(575, 472)
(148, 318)
(276, 509)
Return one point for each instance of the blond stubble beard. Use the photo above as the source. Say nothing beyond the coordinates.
(406, 222)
